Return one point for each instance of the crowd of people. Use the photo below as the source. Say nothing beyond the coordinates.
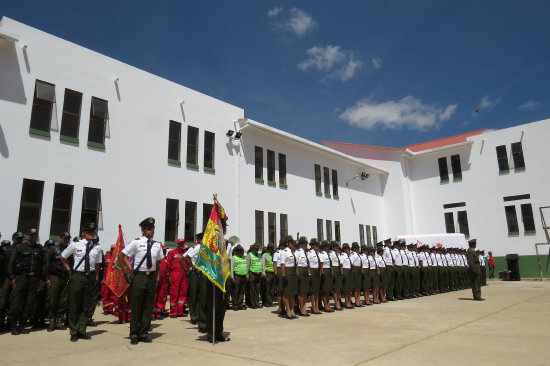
(58, 284)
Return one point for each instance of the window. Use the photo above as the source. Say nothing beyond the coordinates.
(206, 211)
(283, 221)
(272, 227)
(317, 179)
(192, 147)
(42, 106)
(337, 231)
(502, 158)
(369, 240)
(374, 235)
(328, 225)
(449, 223)
(61, 209)
(70, 121)
(259, 218)
(282, 170)
(190, 220)
(527, 217)
(516, 198)
(454, 205)
(91, 206)
(259, 164)
(361, 234)
(511, 220)
(463, 223)
(209, 140)
(457, 169)
(174, 143)
(99, 114)
(517, 155)
(443, 169)
(270, 167)
(334, 183)
(171, 221)
(320, 235)
(31, 205)
(326, 176)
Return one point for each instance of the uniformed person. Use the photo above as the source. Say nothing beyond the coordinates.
(356, 273)
(95, 294)
(5, 287)
(85, 274)
(302, 263)
(289, 276)
(397, 271)
(316, 270)
(474, 270)
(25, 270)
(337, 275)
(326, 277)
(366, 276)
(347, 284)
(268, 276)
(277, 271)
(238, 278)
(189, 258)
(374, 275)
(57, 278)
(383, 273)
(254, 275)
(147, 254)
(389, 272)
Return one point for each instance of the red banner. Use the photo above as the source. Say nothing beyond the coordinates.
(114, 277)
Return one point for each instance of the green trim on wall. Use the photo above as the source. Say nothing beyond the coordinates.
(528, 266)
(336, 197)
(530, 232)
(259, 180)
(459, 179)
(34, 131)
(209, 170)
(319, 194)
(173, 161)
(96, 145)
(327, 195)
(170, 243)
(443, 181)
(192, 166)
(513, 233)
(54, 237)
(504, 171)
(271, 183)
(68, 139)
(519, 169)
(283, 186)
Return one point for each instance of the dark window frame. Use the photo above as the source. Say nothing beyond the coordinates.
(449, 223)
(463, 226)
(190, 220)
(171, 221)
(326, 181)
(270, 166)
(40, 123)
(374, 235)
(61, 214)
(259, 164)
(99, 118)
(174, 142)
(209, 150)
(328, 226)
(456, 167)
(282, 170)
(337, 236)
(527, 218)
(259, 227)
(369, 238)
(517, 155)
(70, 119)
(192, 151)
(511, 220)
(335, 183)
(272, 227)
(283, 225)
(317, 169)
(443, 169)
(89, 213)
(361, 234)
(206, 211)
(502, 159)
(320, 231)
(34, 189)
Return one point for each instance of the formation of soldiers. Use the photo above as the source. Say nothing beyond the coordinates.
(35, 279)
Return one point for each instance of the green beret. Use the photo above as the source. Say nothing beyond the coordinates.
(325, 243)
(363, 247)
(303, 240)
(345, 246)
(147, 222)
(355, 245)
(289, 238)
(334, 244)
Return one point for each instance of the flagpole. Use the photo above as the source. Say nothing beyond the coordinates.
(213, 314)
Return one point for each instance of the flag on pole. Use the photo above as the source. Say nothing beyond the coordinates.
(114, 276)
(212, 260)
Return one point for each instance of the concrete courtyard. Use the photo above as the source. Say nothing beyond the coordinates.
(509, 328)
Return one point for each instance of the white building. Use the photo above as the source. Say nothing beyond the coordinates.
(85, 137)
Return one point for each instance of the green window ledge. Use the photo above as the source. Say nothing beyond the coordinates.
(192, 166)
(170, 243)
(513, 233)
(68, 139)
(54, 237)
(519, 169)
(443, 181)
(271, 183)
(209, 170)
(327, 195)
(259, 180)
(336, 197)
(34, 131)
(319, 194)
(530, 232)
(174, 161)
(504, 171)
(283, 186)
(96, 145)
(457, 179)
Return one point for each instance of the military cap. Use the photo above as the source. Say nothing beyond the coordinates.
(363, 247)
(33, 232)
(89, 227)
(238, 247)
(147, 222)
(313, 241)
(345, 246)
(17, 234)
(65, 235)
(303, 240)
(5, 243)
(396, 242)
(270, 245)
(289, 238)
(472, 242)
(49, 243)
(379, 244)
(388, 240)
(281, 241)
(334, 243)
(255, 246)
(355, 245)
(325, 243)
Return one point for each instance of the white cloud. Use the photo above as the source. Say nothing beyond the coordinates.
(275, 11)
(334, 62)
(377, 63)
(295, 20)
(529, 105)
(408, 112)
(486, 103)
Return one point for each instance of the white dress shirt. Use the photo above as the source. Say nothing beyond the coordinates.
(138, 249)
(78, 249)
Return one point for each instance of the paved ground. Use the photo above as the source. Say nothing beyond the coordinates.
(509, 328)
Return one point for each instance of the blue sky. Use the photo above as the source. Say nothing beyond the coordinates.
(389, 73)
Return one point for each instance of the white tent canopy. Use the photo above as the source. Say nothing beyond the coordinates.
(447, 240)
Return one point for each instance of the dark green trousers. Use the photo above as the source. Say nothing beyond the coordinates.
(215, 308)
(192, 297)
(254, 284)
(142, 297)
(94, 299)
(483, 275)
(238, 290)
(5, 291)
(406, 281)
(23, 298)
(79, 301)
(269, 287)
(475, 282)
(57, 297)
(201, 302)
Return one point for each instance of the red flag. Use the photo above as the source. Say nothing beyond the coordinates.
(114, 277)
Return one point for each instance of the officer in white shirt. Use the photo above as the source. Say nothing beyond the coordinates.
(326, 277)
(337, 275)
(147, 254)
(85, 273)
(345, 259)
(302, 262)
(315, 269)
(398, 272)
(389, 272)
(366, 276)
(289, 275)
(383, 273)
(278, 278)
(356, 271)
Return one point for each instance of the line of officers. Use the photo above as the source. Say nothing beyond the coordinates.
(393, 271)
(35, 283)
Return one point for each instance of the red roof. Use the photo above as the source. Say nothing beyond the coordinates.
(446, 141)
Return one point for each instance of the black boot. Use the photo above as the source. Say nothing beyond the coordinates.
(53, 325)
(60, 324)
(13, 327)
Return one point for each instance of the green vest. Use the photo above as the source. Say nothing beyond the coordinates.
(268, 262)
(240, 265)
(255, 263)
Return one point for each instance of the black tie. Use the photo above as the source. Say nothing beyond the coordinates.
(149, 260)
(87, 258)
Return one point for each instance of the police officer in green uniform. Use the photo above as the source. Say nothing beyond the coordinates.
(253, 276)
(57, 278)
(238, 278)
(25, 270)
(268, 275)
(474, 270)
